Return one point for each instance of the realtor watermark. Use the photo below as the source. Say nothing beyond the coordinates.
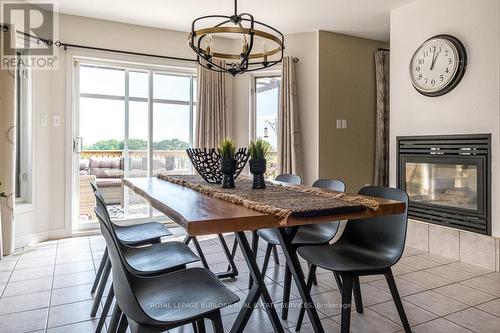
(27, 33)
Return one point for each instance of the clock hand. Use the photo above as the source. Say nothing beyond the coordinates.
(433, 54)
(435, 58)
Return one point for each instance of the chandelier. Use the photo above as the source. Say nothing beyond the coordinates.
(251, 32)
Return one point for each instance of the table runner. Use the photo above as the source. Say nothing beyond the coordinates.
(282, 201)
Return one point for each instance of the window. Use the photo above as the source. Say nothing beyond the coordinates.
(23, 182)
(151, 112)
(132, 122)
(266, 96)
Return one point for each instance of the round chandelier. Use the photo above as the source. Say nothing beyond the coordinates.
(251, 31)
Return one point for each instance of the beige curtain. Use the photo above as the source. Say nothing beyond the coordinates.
(211, 109)
(289, 137)
(7, 157)
(381, 172)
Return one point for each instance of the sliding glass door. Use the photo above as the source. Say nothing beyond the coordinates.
(132, 122)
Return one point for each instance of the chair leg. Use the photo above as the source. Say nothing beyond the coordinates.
(255, 248)
(310, 281)
(345, 321)
(338, 280)
(267, 256)
(397, 300)
(217, 323)
(275, 255)
(357, 295)
(105, 310)
(315, 281)
(286, 293)
(122, 326)
(99, 271)
(115, 319)
(100, 289)
(200, 326)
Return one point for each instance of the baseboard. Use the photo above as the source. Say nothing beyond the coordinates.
(31, 239)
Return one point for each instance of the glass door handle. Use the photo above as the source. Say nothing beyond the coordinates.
(78, 144)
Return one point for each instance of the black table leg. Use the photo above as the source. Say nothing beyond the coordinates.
(232, 271)
(285, 237)
(258, 290)
(255, 248)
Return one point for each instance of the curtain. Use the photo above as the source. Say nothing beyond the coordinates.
(211, 108)
(289, 137)
(7, 156)
(381, 172)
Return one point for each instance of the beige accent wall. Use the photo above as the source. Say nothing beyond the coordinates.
(347, 91)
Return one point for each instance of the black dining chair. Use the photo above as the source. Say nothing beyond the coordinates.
(166, 301)
(154, 259)
(136, 235)
(314, 234)
(366, 247)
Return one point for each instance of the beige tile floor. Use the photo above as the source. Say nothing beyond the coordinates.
(46, 288)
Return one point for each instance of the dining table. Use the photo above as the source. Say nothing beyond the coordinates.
(201, 214)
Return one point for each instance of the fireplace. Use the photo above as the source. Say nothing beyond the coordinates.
(447, 178)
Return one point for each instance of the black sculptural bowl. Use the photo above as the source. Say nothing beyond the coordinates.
(206, 161)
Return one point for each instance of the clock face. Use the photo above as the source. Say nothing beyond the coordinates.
(438, 65)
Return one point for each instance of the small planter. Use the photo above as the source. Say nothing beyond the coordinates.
(227, 168)
(258, 169)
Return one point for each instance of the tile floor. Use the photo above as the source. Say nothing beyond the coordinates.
(46, 288)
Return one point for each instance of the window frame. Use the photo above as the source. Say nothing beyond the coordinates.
(151, 71)
(24, 135)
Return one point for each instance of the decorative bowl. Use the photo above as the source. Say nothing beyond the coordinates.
(206, 161)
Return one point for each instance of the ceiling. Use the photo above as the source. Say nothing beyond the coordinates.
(364, 18)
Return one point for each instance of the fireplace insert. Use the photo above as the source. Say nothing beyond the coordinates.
(447, 178)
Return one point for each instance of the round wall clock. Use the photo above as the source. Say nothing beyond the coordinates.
(438, 65)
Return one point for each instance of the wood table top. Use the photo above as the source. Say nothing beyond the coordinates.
(201, 214)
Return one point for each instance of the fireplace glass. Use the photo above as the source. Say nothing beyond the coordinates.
(452, 185)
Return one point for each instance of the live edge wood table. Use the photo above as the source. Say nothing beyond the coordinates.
(200, 214)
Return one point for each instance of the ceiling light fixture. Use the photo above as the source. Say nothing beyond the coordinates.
(251, 32)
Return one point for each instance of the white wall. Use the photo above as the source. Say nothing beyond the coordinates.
(474, 105)
(305, 47)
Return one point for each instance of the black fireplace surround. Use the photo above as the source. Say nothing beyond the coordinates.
(448, 179)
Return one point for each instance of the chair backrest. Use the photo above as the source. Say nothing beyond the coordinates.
(330, 184)
(289, 178)
(99, 199)
(386, 235)
(123, 280)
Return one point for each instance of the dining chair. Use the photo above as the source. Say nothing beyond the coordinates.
(137, 234)
(366, 247)
(163, 302)
(313, 234)
(154, 259)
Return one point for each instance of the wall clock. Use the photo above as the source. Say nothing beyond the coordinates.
(438, 65)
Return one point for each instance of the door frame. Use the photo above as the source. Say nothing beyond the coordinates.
(72, 59)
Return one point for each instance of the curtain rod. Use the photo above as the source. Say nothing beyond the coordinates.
(60, 44)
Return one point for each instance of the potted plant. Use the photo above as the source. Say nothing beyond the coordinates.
(259, 150)
(227, 151)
